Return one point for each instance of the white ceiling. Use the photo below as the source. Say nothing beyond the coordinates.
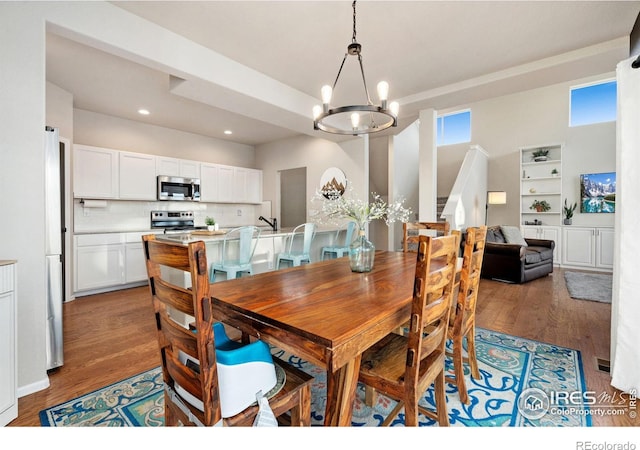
(434, 54)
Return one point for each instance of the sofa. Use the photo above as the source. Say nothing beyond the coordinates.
(510, 257)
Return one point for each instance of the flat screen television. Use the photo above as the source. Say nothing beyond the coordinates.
(598, 192)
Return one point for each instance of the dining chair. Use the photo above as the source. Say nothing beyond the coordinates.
(238, 248)
(404, 366)
(411, 231)
(462, 319)
(296, 258)
(210, 380)
(340, 250)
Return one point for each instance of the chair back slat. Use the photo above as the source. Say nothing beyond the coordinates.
(411, 231)
(174, 296)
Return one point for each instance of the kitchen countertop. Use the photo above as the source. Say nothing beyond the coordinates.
(188, 237)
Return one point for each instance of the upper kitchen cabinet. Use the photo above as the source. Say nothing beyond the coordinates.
(209, 182)
(250, 185)
(228, 184)
(137, 176)
(178, 167)
(95, 172)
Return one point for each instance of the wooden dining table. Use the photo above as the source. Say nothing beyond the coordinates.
(323, 313)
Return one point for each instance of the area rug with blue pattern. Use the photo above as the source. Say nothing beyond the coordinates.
(518, 385)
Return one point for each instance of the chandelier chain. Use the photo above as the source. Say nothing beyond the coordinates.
(353, 39)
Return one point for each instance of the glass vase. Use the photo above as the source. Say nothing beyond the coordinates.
(361, 254)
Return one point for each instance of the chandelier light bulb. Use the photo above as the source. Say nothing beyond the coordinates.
(326, 94)
(383, 90)
(317, 110)
(355, 120)
(395, 108)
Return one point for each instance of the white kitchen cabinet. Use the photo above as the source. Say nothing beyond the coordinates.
(95, 172)
(253, 186)
(107, 261)
(99, 261)
(178, 167)
(209, 179)
(135, 264)
(137, 175)
(8, 342)
(239, 184)
(588, 247)
(226, 184)
(545, 232)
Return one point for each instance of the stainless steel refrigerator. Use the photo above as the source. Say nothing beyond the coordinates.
(54, 232)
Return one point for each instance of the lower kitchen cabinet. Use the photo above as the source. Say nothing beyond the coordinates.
(8, 343)
(135, 264)
(108, 261)
(98, 265)
(589, 247)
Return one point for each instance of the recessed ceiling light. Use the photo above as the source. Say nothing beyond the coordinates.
(228, 132)
(144, 112)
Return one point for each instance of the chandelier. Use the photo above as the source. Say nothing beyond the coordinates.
(355, 119)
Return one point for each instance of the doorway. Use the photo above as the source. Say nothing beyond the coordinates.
(293, 197)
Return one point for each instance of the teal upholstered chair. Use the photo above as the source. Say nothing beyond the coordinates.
(238, 248)
(340, 250)
(296, 258)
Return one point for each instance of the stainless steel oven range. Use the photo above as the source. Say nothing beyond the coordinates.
(174, 221)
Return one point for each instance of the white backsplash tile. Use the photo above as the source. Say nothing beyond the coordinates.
(120, 216)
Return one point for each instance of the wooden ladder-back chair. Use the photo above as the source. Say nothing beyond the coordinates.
(462, 321)
(403, 367)
(411, 231)
(190, 368)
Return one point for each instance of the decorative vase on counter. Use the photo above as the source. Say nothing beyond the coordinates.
(361, 254)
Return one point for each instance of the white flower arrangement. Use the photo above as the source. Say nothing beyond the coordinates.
(335, 207)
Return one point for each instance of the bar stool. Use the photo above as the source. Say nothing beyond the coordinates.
(236, 261)
(297, 258)
(340, 250)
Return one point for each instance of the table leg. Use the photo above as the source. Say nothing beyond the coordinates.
(341, 393)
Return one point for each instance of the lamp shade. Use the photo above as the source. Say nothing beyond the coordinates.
(496, 197)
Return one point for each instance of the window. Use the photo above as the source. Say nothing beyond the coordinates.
(454, 128)
(594, 103)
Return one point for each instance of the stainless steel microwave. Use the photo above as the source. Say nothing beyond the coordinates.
(178, 188)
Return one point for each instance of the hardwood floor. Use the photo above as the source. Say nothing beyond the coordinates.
(111, 336)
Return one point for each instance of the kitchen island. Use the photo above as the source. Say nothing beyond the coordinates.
(109, 261)
(270, 243)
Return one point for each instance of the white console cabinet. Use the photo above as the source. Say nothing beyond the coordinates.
(545, 232)
(588, 247)
(8, 343)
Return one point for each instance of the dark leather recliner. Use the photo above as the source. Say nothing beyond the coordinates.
(516, 263)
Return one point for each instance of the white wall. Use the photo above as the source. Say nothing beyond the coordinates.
(317, 155)
(101, 130)
(22, 122)
(536, 117)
